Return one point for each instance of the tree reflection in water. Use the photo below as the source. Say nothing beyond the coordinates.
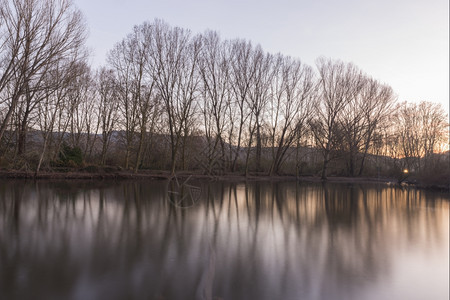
(131, 240)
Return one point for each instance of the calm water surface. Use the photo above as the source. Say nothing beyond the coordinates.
(202, 240)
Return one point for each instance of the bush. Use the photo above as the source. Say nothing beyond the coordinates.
(70, 156)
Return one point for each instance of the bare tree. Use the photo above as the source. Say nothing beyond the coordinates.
(214, 65)
(173, 64)
(293, 93)
(129, 59)
(24, 110)
(108, 105)
(409, 131)
(434, 127)
(338, 85)
(241, 77)
(80, 105)
(50, 108)
(422, 130)
(145, 94)
(376, 103)
(352, 124)
(259, 94)
(36, 34)
(149, 108)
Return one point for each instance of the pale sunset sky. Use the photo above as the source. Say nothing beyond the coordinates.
(403, 43)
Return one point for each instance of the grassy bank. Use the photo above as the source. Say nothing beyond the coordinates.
(111, 173)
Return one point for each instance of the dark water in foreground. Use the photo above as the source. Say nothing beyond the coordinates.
(152, 240)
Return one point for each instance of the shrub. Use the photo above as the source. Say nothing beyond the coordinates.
(70, 156)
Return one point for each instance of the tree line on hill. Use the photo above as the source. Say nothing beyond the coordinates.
(169, 99)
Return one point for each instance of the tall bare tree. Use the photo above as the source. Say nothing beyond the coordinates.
(129, 59)
(108, 107)
(51, 108)
(376, 103)
(422, 130)
(293, 92)
(36, 34)
(259, 94)
(149, 108)
(338, 85)
(242, 72)
(214, 65)
(80, 105)
(173, 64)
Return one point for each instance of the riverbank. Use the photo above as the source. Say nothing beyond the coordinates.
(118, 174)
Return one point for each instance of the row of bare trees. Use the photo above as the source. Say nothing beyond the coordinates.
(416, 135)
(168, 99)
(41, 44)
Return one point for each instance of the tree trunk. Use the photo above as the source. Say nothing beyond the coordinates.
(140, 149)
(258, 148)
(127, 158)
(22, 136)
(326, 160)
(103, 156)
(7, 118)
(41, 158)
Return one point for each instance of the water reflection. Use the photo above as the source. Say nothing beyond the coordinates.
(157, 240)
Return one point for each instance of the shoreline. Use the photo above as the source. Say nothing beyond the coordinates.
(164, 175)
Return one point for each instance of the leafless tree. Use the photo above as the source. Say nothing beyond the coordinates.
(35, 35)
(214, 65)
(259, 94)
(355, 108)
(408, 128)
(241, 76)
(145, 94)
(57, 83)
(129, 59)
(293, 93)
(352, 125)
(80, 103)
(338, 85)
(422, 130)
(376, 102)
(108, 106)
(173, 64)
(149, 109)
(434, 126)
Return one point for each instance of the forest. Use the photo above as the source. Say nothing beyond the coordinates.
(167, 99)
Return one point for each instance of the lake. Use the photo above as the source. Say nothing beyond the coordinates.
(222, 240)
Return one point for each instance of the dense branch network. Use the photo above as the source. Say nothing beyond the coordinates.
(168, 99)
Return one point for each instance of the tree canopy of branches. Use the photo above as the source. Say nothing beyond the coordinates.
(350, 108)
(34, 36)
(421, 131)
(169, 99)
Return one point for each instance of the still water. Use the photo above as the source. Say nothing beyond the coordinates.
(203, 240)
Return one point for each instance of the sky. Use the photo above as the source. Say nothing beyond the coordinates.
(402, 43)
